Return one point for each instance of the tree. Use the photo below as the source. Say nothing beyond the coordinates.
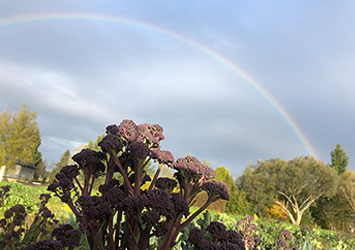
(64, 161)
(347, 187)
(293, 185)
(40, 172)
(223, 174)
(91, 145)
(237, 202)
(334, 213)
(19, 138)
(340, 159)
(338, 212)
(259, 182)
(4, 136)
(347, 190)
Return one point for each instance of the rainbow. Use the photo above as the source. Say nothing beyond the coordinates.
(206, 50)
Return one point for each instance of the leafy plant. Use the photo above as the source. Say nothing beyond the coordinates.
(15, 233)
(28, 196)
(249, 230)
(21, 194)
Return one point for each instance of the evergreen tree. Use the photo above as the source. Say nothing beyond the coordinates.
(94, 145)
(64, 161)
(40, 172)
(340, 159)
(237, 202)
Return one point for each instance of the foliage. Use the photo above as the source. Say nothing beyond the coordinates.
(28, 196)
(21, 194)
(158, 211)
(19, 138)
(267, 229)
(347, 187)
(260, 184)
(40, 172)
(317, 237)
(340, 159)
(134, 209)
(215, 236)
(64, 161)
(223, 174)
(337, 213)
(203, 233)
(95, 145)
(237, 202)
(210, 232)
(276, 212)
(293, 185)
(249, 230)
(17, 232)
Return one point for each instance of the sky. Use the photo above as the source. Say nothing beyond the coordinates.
(231, 82)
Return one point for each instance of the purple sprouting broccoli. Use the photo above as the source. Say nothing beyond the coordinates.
(191, 175)
(284, 241)
(249, 231)
(111, 142)
(191, 168)
(216, 190)
(4, 193)
(215, 236)
(15, 233)
(138, 150)
(128, 130)
(126, 214)
(150, 134)
(46, 245)
(166, 184)
(90, 162)
(69, 236)
(162, 156)
(66, 237)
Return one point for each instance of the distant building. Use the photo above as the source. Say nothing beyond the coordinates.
(22, 171)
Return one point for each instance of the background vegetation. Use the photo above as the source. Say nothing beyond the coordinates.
(312, 199)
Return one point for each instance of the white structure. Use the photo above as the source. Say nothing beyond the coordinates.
(21, 171)
(2, 171)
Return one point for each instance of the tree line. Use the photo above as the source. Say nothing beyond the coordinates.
(301, 191)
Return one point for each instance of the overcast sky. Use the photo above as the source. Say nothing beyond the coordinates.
(82, 74)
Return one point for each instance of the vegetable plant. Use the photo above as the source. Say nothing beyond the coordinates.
(123, 215)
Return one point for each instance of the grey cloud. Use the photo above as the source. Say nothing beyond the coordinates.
(83, 75)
